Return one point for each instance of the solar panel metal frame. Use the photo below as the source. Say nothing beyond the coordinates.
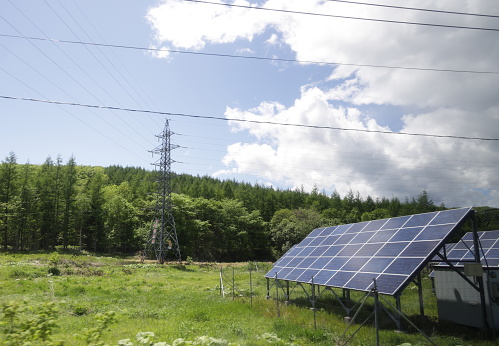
(464, 250)
(392, 251)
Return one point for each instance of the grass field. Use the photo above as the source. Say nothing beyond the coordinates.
(183, 301)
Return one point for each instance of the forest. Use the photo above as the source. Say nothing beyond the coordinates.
(110, 209)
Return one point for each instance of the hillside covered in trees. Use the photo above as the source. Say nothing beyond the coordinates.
(109, 210)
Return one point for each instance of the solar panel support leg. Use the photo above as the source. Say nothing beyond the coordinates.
(346, 294)
(268, 288)
(398, 308)
(313, 303)
(277, 296)
(479, 279)
(376, 317)
(287, 293)
(420, 291)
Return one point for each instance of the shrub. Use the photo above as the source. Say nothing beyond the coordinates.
(54, 271)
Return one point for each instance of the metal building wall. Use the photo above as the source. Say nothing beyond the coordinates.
(459, 302)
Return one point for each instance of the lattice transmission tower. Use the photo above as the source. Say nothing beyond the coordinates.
(162, 238)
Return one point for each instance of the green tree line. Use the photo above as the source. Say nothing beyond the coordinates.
(109, 210)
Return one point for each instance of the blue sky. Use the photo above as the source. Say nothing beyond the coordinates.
(457, 172)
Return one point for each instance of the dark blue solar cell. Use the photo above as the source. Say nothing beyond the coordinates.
(340, 279)
(375, 225)
(323, 276)
(404, 266)
(354, 264)
(462, 245)
(349, 250)
(487, 243)
(395, 223)
(361, 281)
(382, 236)
(489, 235)
(492, 253)
(294, 251)
(306, 241)
(435, 232)
(336, 263)
(492, 262)
(342, 229)
(307, 262)
(389, 284)
(362, 237)
(330, 240)
(468, 255)
(357, 227)
(456, 254)
(333, 250)
(420, 220)
(283, 273)
(293, 275)
(450, 216)
(294, 262)
(320, 262)
(318, 251)
(377, 264)
(316, 232)
(273, 272)
(391, 249)
(369, 250)
(316, 241)
(306, 251)
(327, 231)
(467, 236)
(344, 239)
(283, 261)
(420, 249)
(307, 276)
(406, 234)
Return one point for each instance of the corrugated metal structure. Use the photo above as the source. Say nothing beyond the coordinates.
(472, 259)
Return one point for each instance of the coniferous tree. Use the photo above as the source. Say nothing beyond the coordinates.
(8, 187)
(69, 192)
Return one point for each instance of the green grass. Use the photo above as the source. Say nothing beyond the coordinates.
(184, 302)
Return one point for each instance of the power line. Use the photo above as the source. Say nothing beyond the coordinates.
(94, 56)
(416, 9)
(345, 17)
(246, 120)
(74, 116)
(251, 57)
(65, 72)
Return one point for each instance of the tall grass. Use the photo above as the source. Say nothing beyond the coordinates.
(175, 301)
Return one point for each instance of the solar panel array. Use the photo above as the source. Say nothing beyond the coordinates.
(464, 250)
(392, 251)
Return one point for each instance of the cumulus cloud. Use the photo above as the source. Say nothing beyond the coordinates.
(459, 172)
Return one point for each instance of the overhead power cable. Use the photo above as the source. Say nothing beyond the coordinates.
(246, 120)
(344, 17)
(415, 9)
(65, 72)
(251, 57)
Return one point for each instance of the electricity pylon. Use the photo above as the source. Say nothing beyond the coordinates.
(163, 234)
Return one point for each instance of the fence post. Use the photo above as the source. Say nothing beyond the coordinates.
(222, 293)
(251, 289)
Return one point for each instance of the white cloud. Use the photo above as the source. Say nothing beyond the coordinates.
(459, 172)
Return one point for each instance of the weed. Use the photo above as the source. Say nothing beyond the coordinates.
(80, 310)
(54, 271)
(18, 273)
(92, 336)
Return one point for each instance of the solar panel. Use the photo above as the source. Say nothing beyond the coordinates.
(392, 251)
(464, 250)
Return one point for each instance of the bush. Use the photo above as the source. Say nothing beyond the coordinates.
(54, 271)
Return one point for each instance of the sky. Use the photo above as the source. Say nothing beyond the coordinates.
(304, 94)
